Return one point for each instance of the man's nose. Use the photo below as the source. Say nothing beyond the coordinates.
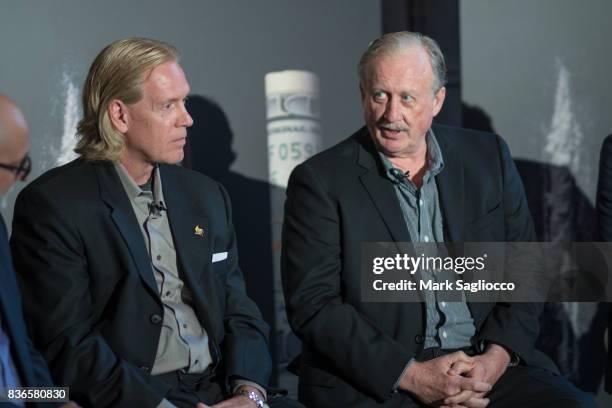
(392, 110)
(186, 119)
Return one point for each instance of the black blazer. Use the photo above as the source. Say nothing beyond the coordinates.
(90, 296)
(30, 365)
(604, 191)
(354, 352)
(604, 213)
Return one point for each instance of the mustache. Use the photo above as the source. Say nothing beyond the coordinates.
(402, 127)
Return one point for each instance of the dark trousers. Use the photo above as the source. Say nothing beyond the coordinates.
(528, 387)
(189, 389)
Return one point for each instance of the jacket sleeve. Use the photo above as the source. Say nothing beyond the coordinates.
(245, 345)
(52, 269)
(514, 325)
(311, 272)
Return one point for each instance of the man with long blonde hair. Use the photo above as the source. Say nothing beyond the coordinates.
(128, 262)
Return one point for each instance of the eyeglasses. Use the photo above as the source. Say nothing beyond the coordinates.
(22, 170)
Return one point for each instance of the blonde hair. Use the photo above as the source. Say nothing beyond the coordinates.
(118, 72)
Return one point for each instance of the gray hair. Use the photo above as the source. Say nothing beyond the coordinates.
(392, 43)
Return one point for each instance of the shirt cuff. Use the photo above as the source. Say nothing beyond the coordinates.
(238, 382)
(165, 404)
(395, 388)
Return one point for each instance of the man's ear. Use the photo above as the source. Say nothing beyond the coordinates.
(439, 100)
(118, 115)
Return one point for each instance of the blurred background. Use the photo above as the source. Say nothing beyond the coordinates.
(537, 73)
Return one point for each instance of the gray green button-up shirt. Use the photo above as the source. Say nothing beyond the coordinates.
(183, 343)
(449, 324)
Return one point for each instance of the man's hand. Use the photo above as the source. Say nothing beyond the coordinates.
(432, 382)
(71, 404)
(487, 367)
(238, 401)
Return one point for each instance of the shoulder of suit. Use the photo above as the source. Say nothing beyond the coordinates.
(607, 144)
(63, 178)
(460, 135)
(472, 145)
(188, 176)
(346, 152)
(338, 156)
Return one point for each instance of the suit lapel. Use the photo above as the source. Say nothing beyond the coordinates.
(191, 235)
(122, 213)
(381, 189)
(451, 187)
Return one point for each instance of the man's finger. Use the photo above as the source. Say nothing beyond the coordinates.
(459, 398)
(460, 356)
(474, 385)
(460, 367)
(202, 405)
(476, 402)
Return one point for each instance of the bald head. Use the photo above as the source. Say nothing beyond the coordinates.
(14, 143)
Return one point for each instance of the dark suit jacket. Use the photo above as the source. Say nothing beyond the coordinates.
(354, 352)
(604, 191)
(89, 291)
(30, 365)
(604, 213)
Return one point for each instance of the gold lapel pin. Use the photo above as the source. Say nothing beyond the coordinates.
(198, 230)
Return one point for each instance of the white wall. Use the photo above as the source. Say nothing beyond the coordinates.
(541, 70)
(227, 47)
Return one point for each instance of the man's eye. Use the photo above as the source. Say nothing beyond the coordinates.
(379, 95)
(407, 98)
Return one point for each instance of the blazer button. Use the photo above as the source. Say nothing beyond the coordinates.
(418, 339)
(155, 319)
(145, 369)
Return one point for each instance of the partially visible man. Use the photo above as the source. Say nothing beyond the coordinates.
(402, 179)
(21, 365)
(604, 214)
(128, 263)
(14, 145)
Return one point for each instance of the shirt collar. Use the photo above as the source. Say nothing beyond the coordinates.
(434, 154)
(133, 190)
